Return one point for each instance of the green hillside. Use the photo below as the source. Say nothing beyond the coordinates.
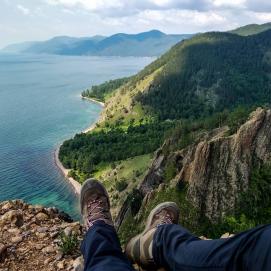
(211, 80)
(209, 73)
(251, 29)
(198, 77)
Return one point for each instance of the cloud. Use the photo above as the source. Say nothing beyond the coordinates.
(23, 9)
(229, 3)
(121, 7)
(90, 17)
(259, 6)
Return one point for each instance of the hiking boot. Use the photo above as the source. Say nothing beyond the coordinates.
(139, 248)
(94, 202)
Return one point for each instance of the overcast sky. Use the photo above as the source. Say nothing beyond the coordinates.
(24, 20)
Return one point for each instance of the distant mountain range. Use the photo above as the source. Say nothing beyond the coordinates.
(152, 43)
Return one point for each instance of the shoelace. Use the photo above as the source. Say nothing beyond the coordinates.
(165, 220)
(94, 209)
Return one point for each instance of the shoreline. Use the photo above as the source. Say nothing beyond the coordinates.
(65, 172)
(93, 100)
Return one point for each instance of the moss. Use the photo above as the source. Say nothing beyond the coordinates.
(128, 229)
(254, 207)
(255, 203)
(170, 171)
(132, 225)
(121, 185)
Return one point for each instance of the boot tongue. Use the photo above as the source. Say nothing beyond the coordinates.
(98, 210)
(161, 218)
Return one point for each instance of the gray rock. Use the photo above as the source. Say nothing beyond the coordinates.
(78, 264)
(49, 249)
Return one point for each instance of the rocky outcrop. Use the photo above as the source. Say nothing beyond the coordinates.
(217, 168)
(154, 177)
(30, 238)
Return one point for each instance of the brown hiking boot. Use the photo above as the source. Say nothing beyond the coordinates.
(94, 202)
(139, 248)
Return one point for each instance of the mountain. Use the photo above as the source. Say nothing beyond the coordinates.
(251, 29)
(18, 47)
(59, 45)
(185, 118)
(197, 77)
(152, 43)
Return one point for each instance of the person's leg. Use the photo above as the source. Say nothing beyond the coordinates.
(176, 249)
(101, 248)
(139, 249)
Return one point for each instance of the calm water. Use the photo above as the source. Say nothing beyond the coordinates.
(40, 106)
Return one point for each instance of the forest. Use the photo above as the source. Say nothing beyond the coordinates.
(210, 73)
(85, 151)
(99, 92)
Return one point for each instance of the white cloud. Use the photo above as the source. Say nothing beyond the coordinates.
(90, 17)
(183, 21)
(261, 16)
(130, 8)
(259, 6)
(229, 3)
(23, 9)
(92, 5)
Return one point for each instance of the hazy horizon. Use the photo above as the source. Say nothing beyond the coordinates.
(45, 19)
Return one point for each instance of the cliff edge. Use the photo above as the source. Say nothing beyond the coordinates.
(38, 238)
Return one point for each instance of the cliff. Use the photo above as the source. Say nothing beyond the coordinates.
(218, 170)
(215, 170)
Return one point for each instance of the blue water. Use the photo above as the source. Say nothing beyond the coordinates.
(40, 106)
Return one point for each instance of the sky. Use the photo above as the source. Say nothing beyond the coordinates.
(28, 20)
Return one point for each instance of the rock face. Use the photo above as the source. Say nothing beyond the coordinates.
(30, 238)
(218, 167)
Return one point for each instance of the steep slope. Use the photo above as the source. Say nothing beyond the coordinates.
(211, 72)
(251, 29)
(205, 74)
(218, 167)
(212, 180)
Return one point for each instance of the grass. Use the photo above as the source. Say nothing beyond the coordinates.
(129, 172)
(121, 108)
(133, 225)
(68, 244)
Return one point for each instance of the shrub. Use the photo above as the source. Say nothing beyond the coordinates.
(121, 185)
(68, 244)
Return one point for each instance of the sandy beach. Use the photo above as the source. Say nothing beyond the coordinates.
(76, 185)
(93, 100)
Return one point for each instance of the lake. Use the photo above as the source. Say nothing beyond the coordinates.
(40, 107)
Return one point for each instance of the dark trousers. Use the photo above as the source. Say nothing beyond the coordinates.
(177, 249)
